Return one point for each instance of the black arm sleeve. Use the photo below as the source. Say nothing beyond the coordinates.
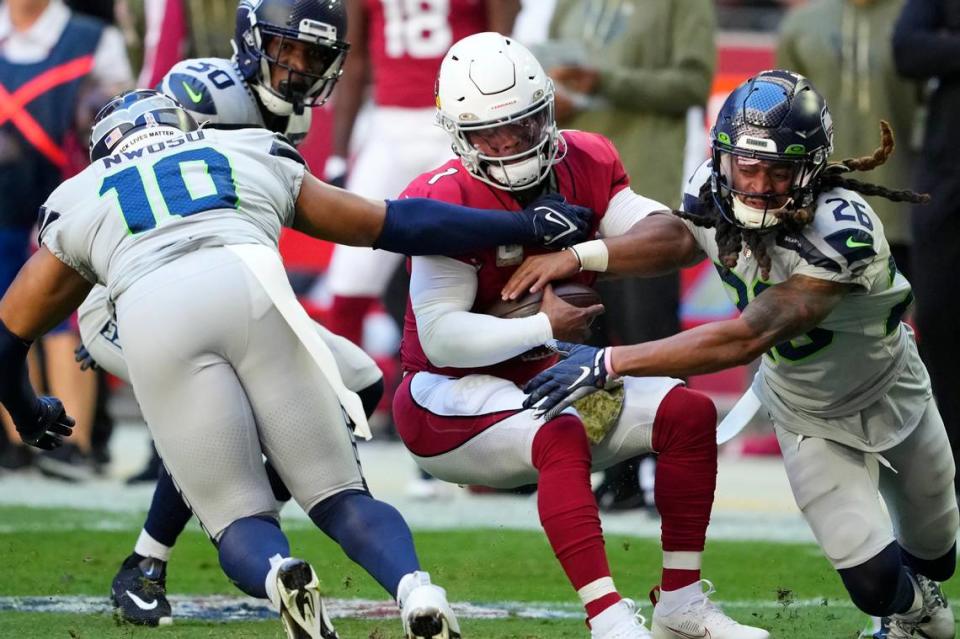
(922, 46)
(420, 226)
(16, 393)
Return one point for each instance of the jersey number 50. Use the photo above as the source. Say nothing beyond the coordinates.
(182, 184)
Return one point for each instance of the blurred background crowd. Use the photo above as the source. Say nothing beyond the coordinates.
(649, 74)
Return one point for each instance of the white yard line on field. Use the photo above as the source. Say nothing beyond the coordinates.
(230, 608)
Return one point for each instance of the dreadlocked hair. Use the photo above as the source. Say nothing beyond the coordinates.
(832, 176)
(731, 238)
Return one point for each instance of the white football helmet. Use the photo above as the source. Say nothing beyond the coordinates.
(492, 92)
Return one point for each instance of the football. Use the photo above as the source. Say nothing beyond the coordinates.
(579, 295)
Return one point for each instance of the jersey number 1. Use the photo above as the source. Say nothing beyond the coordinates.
(204, 167)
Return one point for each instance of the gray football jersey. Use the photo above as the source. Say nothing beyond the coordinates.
(861, 352)
(213, 91)
(127, 214)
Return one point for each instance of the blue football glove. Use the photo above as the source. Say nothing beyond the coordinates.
(558, 223)
(84, 358)
(581, 372)
(50, 424)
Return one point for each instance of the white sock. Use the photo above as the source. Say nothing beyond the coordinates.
(410, 581)
(596, 589)
(147, 546)
(672, 600)
(602, 623)
(270, 583)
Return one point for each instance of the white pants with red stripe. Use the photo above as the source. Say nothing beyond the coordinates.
(472, 429)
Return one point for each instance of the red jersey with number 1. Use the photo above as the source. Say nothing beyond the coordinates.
(590, 174)
(408, 39)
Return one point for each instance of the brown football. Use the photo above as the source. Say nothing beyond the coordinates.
(579, 295)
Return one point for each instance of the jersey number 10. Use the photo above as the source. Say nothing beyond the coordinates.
(206, 170)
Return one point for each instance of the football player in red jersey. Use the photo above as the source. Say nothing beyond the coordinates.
(400, 44)
(459, 408)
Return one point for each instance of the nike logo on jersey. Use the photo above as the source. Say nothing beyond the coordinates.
(851, 243)
(140, 603)
(196, 97)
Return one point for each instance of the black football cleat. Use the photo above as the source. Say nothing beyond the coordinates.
(139, 591)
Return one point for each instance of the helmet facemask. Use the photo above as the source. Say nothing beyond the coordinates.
(306, 86)
(309, 52)
(529, 140)
(791, 181)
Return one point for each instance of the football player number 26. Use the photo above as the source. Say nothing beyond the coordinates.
(416, 28)
(185, 183)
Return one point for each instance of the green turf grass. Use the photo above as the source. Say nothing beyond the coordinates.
(57, 553)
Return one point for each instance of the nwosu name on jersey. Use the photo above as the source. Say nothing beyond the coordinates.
(155, 147)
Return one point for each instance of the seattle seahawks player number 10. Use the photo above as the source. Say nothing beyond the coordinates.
(181, 225)
(289, 56)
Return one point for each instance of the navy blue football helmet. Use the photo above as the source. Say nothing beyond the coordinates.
(269, 32)
(775, 117)
(133, 111)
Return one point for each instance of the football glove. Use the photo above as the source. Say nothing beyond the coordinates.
(581, 372)
(49, 426)
(84, 358)
(558, 223)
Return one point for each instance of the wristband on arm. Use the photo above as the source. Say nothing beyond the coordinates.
(592, 255)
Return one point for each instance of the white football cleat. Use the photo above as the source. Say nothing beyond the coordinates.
(424, 609)
(301, 608)
(620, 621)
(699, 618)
(932, 619)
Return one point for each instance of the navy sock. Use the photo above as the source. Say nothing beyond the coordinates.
(168, 514)
(372, 533)
(246, 547)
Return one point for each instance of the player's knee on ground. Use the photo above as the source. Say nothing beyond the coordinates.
(686, 420)
(881, 585)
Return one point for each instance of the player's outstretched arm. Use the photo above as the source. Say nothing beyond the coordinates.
(780, 313)
(655, 245)
(45, 291)
(419, 226)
